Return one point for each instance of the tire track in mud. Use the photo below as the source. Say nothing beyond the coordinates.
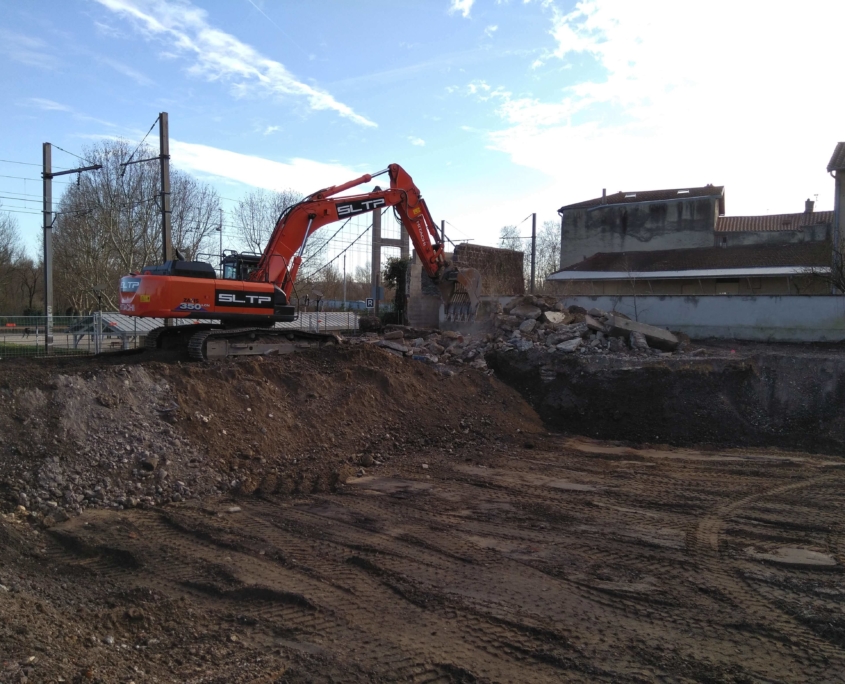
(705, 543)
(468, 581)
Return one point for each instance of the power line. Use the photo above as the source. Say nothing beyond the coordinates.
(37, 179)
(70, 153)
(142, 141)
(9, 161)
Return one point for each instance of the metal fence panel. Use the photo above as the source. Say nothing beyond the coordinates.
(111, 331)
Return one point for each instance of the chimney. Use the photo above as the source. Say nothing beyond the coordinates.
(604, 196)
(808, 206)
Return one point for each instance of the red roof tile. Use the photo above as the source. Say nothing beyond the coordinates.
(736, 224)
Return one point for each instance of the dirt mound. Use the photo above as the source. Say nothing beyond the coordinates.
(122, 432)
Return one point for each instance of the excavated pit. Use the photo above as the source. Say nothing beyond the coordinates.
(746, 397)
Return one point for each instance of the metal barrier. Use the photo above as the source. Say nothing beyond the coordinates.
(110, 331)
(72, 335)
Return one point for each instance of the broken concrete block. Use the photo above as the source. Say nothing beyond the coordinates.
(557, 317)
(593, 324)
(450, 334)
(527, 325)
(638, 341)
(523, 345)
(659, 338)
(597, 313)
(508, 322)
(575, 309)
(395, 346)
(526, 311)
(394, 335)
(569, 346)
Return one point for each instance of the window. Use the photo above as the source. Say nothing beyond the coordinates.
(230, 271)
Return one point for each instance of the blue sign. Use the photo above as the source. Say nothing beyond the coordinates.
(371, 303)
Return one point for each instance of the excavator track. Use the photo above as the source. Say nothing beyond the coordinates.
(222, 343)
(168, 337)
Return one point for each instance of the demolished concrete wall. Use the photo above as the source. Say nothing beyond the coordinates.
(501, 269)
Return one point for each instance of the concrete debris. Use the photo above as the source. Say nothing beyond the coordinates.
(530, 324)
(659, 338)
(526, 311)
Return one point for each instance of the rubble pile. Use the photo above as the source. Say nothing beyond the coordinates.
(530, 323)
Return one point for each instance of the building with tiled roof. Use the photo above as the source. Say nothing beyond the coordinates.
(679, 241)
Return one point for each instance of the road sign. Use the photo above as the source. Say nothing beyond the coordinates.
(371, 303)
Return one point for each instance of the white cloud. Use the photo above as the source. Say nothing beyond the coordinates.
(27, 50)
(300, 174)
(221, 56)
(490, 30)
(47, 105)
(53, 106)
(462, 6)
(419, 142)
(271, 129)
(730, 96)
(126, 70)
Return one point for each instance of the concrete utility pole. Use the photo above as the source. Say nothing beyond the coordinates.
(47, 208)
(376, 256)
(533, 249)
(164, 157)
(443, 233)
(344, 282)
(221, 241)
(48, 246)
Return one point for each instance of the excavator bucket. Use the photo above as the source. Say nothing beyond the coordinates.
(460, 291)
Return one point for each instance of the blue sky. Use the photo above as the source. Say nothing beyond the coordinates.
(496, 108)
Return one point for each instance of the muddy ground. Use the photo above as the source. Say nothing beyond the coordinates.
(353, 516)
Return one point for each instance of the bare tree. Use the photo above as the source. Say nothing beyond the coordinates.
(10, 252)
(257, 213)
(109, 223)
(30, 277)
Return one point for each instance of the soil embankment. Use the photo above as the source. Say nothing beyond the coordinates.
(751, 396)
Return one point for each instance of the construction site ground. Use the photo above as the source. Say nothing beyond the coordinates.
(347, 515)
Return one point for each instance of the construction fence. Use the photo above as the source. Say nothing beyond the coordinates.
(107, 331)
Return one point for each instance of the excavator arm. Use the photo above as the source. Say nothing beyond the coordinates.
(282, 257)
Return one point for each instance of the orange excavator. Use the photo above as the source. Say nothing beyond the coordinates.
(254, 292)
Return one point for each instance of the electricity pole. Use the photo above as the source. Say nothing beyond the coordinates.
(164, 157)
(48, 176)
(221, 240)
(344, 282)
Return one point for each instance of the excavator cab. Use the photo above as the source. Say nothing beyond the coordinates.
(238, 266)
